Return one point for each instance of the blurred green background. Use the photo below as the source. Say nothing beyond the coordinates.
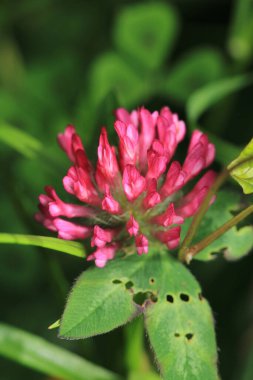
(74, 62)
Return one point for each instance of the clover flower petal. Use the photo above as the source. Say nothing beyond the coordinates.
(135, 195)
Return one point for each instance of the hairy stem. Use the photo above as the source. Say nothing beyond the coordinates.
(183, 252)
(193, 250)
(200, 214)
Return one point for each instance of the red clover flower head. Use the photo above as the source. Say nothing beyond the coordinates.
(134, 195)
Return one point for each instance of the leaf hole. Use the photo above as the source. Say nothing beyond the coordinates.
(189, 336)
(153, 298)
(116, 281)
(151, 280)
(177, 335)
(129, 284)
(170, 298)
(184, 297)
(141, 297)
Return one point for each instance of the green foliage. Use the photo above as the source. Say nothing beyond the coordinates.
(69, 73)
(240, 42)
(96, 304)
(190, 73)
(235, 243)
(243, 173)
(170, 298)
(34, 352)
(204, 98)
(11, 64)
(70, 247)
(110, 73)
(180, 325)
(19, 140)
(146, 33)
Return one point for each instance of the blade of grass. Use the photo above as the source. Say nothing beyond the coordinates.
(69, 247)
(40, 355)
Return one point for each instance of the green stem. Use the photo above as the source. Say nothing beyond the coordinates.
(192, 251)
(135, 356)
(183, 252)
(200, 214)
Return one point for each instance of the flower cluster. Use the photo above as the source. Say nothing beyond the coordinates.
(134, 195)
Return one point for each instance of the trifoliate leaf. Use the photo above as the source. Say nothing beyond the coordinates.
(177, 317)
(146, 33)
(243, 174)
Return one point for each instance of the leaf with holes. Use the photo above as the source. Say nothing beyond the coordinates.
(235, 243)
(180, 325)
(178, 319)
(146, 33)
(243, 174)
(99, 301)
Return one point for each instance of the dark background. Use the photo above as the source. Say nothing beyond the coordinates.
(53, 71)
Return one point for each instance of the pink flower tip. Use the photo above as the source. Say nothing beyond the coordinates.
(132, 226)
(141, 243)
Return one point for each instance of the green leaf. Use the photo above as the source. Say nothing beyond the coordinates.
(70, 247)
(19, 140)
(202, 99)
(240, 42)
(180, 325)
(111, 74)
(146, 33)
(194, 70)
(36, 353)
(243, 174)
(99, 303)
(103, 299)
(235, 243)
